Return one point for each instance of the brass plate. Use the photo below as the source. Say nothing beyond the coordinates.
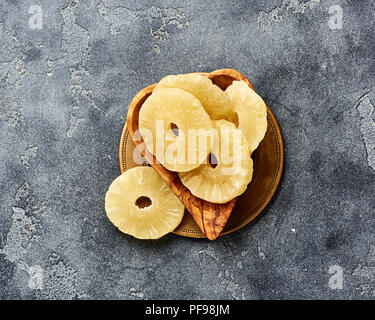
(268, 167)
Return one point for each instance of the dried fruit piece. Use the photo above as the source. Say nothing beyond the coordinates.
(141, 204)
(222, 180)
(213, 99)
(176, 129)
(249, 112)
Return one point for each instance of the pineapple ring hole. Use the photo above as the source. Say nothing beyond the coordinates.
(212, 160)
(143, 202)
(175, 129)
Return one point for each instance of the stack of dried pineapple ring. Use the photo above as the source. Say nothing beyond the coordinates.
(215, 165)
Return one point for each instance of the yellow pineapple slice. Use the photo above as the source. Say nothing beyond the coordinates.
(213, 99)
(141, 204)
(249, 112)
(176, 129)
(228, 170)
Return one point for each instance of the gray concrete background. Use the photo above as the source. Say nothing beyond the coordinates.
(64, 92)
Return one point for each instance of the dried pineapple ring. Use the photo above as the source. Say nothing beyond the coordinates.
(233, 170)
(168, 121)
(249, 112)
(160, 213)
(213, 99)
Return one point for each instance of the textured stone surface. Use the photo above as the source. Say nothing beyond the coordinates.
(64, 92)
